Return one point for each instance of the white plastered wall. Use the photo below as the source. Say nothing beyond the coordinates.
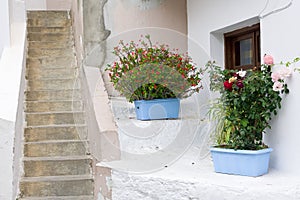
(208, 20)
(5, 24)
(12, 20)
(48, 4)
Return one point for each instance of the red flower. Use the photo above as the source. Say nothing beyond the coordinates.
(227, 85)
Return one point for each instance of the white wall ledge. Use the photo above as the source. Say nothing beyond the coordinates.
(194, 179)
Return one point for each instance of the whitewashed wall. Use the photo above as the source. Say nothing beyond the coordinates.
(164, 20)
(48, 4)
(12, 42)
(208, 20)
(5, 26)
(36, 4)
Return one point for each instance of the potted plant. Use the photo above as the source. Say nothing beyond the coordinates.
(247, 102)
(153, 77)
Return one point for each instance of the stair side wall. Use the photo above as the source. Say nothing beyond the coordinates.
(103, 136)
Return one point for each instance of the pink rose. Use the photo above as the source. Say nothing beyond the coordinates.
(277, 86)
(268, 60)
(286, 72)
(275, 76)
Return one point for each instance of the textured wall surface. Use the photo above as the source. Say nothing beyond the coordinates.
(187, 181)
(6, 153)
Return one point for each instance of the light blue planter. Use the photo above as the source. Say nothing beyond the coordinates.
(157, 109)
(241, 162)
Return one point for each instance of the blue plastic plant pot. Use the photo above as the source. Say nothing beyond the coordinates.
(241, 162)
(157, 109)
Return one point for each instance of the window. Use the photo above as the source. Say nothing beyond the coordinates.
(242, 48)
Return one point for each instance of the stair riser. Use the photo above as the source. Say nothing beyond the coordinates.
(53, 106)
(51, 73)
(49, 45)
(63, 84)
(48, 22)
(37, 134)
(54, 149)
(53, 95)
(43, 52)
(54, 119)
(57, 168)
(57, 188)
(49, 37)
(55, 62)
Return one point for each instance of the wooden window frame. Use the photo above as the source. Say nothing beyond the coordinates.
(253, 33)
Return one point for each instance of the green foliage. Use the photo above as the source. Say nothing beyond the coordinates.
(144, 71)
(245, 106)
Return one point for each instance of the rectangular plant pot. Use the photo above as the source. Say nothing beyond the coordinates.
(157, 109)
(241, 162)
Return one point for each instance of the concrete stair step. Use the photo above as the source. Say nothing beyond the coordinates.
(51, 62)
(44, 95)
(53, 84)
(47, 44)
(47, 73)
(61, 15)
(56, 186)
(55, 148)
(54, 118)
(45, 133)
(85, 197)
(53, 106)
(53, 52)
(66, 30)
(57, 166)
(49, 37)
(48, 21)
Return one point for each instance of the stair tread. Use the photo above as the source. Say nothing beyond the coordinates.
(58, 158)
(53, 101)
(55, 112)
(54, 79)
(56, 141)
(82, 197)
(57, 126)
(57, 90)
(57, 178)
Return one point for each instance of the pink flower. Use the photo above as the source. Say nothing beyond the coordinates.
(275, 76)
(268, 60)
(286, 72)
(277, 86)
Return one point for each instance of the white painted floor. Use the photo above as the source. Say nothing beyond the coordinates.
(170, 160)
(190, 178)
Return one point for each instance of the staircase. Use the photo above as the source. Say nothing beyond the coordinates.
(56, 161)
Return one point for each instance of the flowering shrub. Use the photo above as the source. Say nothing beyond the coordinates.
(247, 102)
(144, 71)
